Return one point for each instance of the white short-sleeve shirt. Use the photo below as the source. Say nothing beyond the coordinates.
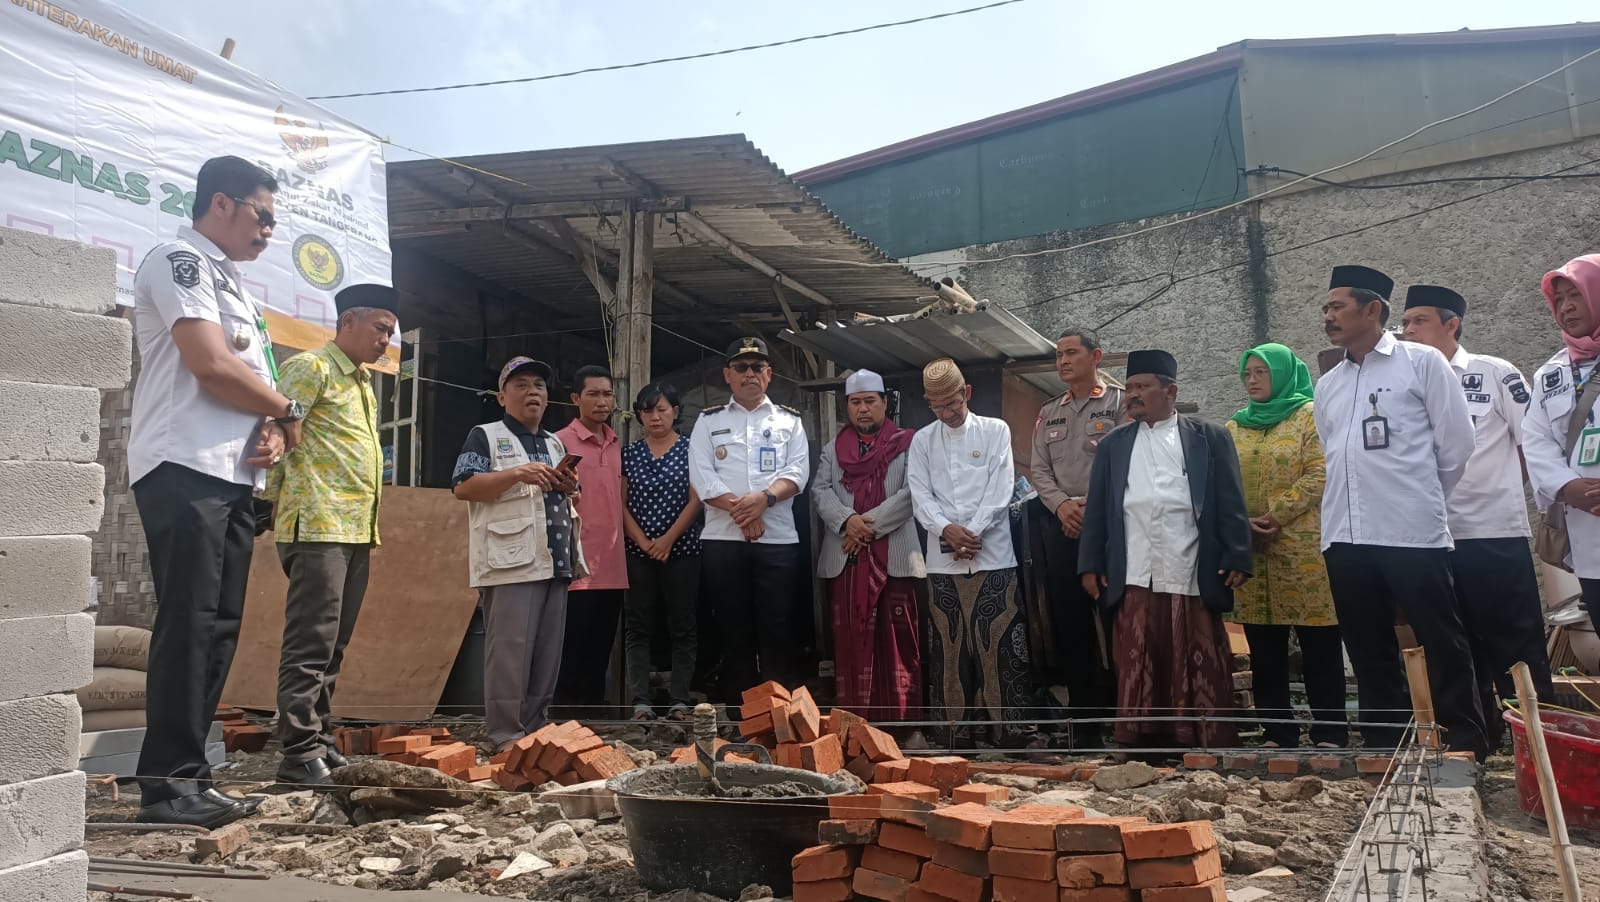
(174, 418)
(1488, 502)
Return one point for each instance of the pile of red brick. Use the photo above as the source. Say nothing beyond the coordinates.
(567, 753)
(901, 842)
(238, 735)
(797, 734)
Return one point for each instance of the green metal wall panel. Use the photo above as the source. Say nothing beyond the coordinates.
(1161, 153)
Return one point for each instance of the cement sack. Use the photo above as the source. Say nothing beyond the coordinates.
(122, 646)
(99, 721)
(113, 689)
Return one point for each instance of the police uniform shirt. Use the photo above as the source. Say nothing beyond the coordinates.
(1064, 441)
(174, 418)
(738, 451)
(1393, 493)
(1555, 393)
(1488, 503)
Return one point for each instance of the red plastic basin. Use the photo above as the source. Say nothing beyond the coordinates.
(1573, 742)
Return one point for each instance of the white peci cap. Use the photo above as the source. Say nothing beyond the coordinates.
(863, 380)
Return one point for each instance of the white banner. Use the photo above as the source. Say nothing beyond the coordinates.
(105, 120)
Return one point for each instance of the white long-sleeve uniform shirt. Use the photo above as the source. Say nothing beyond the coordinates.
(1158, 513)
(1392, 496)
(1488, 503)
(742, 451)
(964, 476)
(1544, 437)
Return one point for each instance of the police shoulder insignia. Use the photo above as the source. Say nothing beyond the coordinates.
(185, 268)
(786, 408)
(712, 411)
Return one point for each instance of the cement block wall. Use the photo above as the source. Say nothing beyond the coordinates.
(57, 350)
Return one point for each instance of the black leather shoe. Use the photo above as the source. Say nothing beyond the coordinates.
(335, 759)
(310, 773)
(198, 810)
(249, 805)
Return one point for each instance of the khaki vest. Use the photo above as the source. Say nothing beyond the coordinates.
(509, 538)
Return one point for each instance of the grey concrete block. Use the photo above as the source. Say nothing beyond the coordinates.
(39, 736)
(58, 879)
(54, 272)
(49, 422)
(45, 818)
(44, 655)
(44, 575)
(64, 348)
(45, 498)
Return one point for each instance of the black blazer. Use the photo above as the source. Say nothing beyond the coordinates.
(1218, 494)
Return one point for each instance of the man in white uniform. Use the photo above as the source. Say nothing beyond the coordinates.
(962, 479)
(747, 460)
(1493, 568)
(1396, 436)
(202, 434)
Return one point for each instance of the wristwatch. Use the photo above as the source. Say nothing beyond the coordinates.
(297, 411)
(771, 498)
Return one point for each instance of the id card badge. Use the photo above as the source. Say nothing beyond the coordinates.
(1375, 433)
(768, 459)
(1589, 447)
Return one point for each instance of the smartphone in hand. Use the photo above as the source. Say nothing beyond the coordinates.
(569, 463)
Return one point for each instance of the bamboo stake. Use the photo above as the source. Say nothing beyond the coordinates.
(1421, 696)
(1553, 815)
(227, 49)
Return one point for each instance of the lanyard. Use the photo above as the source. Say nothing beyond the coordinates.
(266, 345)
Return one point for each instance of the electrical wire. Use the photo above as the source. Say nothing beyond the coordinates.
(673, 59)
(1355, 186)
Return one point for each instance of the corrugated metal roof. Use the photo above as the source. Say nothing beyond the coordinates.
(725, 181)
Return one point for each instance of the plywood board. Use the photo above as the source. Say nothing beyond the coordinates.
(415, 614)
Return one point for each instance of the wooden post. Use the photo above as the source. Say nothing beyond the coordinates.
(1421, 696)
(227, 49)
(619, 310)
(641, 313)
(1528, 702)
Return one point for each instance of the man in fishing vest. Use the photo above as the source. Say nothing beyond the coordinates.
(524, 549)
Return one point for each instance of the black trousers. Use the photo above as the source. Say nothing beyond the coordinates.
(201, 532)
(1591, 600)
(1091, 684)
(1370, 583)
(327, 582)
(655, 588)
(753, 586)
(1322, 665)
(1499, 596)
(592, 619)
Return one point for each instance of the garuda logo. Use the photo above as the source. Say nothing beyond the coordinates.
(306, 144)
(318, 262)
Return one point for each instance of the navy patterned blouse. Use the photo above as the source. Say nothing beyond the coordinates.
(658, 491)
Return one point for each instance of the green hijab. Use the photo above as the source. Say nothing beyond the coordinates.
(1291, 387)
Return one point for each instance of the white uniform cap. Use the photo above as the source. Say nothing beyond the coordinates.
(863, 380)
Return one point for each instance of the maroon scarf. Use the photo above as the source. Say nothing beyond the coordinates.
(864, 579)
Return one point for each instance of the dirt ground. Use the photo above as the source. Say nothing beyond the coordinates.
(1521, 857)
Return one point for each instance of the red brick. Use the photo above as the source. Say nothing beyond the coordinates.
(1168, 840)
(1198, 761)
(782, 730)
(480, 772)
(961, 858)
(787, 754)
(403, 744)
(760, 725)
(963, 825)
(952, 884)
(1098, 894)
(850, 807)
(876, 744)
(979, 794)
(1188, 871)
(511, 780)
(862, 767)
(1088, 871)
(805, 720)
(841, 722)
(564, 748)
(768, 690)
(537, 777)
(1244, 763)
(824, 863)
(451, 760)
(848, 832)
(1029, 864)
(1012, 889)
(1084, 773)
(909, 803)
(907, 839)
(501, 758)
(1031, 826)
(602, 763)
(244, 737)
(225, 713)
(906, 788)
(1329, 764)
(824, 891)
(888, 861)
(945, 772)
(823, 755)
(918, 894)
(433, 732)
(895, 771)
(222, 842)
(1372, 764)
(877, 885)
(1095, 834)
(568, 778)
(1283, 766)
(1212, 890)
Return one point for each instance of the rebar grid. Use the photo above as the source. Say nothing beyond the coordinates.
(1390, 855)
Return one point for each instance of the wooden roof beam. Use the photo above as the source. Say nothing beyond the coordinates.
(707, 233)
(605, 206)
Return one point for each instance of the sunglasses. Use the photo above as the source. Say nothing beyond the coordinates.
(756, 367)
(264, 218)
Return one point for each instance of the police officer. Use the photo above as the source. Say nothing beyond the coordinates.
(747, 461)
(1493, 569)
(1396, 437)
(202, 434)
(1064, 440)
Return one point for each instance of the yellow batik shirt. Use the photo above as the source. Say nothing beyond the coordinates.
(327, 489)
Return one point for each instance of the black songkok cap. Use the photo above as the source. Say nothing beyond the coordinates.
(368, 295)
(1436, 296)
(1361, 277)
(1159, 363)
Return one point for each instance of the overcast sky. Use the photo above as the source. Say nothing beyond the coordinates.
(803, 105)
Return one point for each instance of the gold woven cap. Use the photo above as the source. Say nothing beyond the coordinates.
(942, 378)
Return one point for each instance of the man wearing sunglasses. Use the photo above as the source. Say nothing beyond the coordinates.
(747, 460)
(207, 423)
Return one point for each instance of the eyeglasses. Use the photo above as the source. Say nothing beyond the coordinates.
(947, 407)
(264, 218)
(748, 367)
